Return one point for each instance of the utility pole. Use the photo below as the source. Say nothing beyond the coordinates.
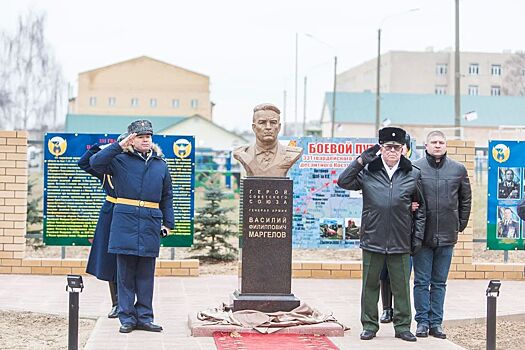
(333, 96)
(378, 80)
(284, 112)
(296, 78)
(304, 107)
(457, 90)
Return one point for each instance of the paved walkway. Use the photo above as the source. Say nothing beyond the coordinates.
(176, 297)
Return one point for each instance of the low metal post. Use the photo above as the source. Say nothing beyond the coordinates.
(72, 343)
(492, 295)
(74, 286)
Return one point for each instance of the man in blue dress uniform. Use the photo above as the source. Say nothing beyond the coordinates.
(142, 211)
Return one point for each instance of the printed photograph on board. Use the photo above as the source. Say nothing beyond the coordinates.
(508, 223)
(352, 227)
(509, 183)
(331, 229)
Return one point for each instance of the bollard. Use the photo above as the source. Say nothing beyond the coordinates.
(492, 295)
(74, 287)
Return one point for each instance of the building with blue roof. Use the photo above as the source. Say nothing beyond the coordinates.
(497, 116)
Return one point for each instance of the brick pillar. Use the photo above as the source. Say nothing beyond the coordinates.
(13, 200)
(462, 267)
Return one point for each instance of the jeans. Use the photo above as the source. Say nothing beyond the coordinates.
(431, 266)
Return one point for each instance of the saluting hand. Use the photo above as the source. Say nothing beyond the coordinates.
(128, 140)
(369, 155)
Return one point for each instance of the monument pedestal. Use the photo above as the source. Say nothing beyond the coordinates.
(266, 269)
(264, 302)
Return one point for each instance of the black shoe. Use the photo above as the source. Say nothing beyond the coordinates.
(126, 328)
(150, 327)
(367, 335)
(114, 312)
(387, 316)
(422, 331)
(406, 336)
(437, 332)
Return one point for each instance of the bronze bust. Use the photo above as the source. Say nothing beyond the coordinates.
(267, 157)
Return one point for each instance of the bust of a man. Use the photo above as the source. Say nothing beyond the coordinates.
(267, 157)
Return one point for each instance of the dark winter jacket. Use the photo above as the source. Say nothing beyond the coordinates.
(387, 222)
(448, 197)
(101, 264)
(135, 230)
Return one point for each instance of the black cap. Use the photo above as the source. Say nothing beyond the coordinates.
(141, 127)
(392, 135)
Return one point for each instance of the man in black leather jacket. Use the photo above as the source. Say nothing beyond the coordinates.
(447, 193)
(389, 184)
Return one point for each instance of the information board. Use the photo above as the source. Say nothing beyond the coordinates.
(506, 171)
(73, 198)
(325, 215)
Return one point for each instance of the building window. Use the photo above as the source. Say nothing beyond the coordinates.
(153, 103)
(92, 101)
(473, 69)
(441, 69)
(112, 101)
(194, 104)
(495, 90)
(134, 102)
(495, 69)
(440, 90)
(175, 103)
(473, 90)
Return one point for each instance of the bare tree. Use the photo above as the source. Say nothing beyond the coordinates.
(31, 80)
(514, 75)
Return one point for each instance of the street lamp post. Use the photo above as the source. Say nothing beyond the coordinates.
(378, 80)
(333, 97)
(457, 98)
(334, 91)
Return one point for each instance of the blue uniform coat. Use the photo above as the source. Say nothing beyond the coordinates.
(101, 264)
(136, 230)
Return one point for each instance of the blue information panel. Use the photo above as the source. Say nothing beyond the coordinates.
(73, 198)
(325, 215)
(505, 231)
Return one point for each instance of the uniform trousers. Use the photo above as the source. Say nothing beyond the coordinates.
(135, 279)
(399, 271)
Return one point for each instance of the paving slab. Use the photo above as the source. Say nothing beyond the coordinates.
(176, 297)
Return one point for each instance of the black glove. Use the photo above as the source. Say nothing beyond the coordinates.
(370, 154)
(417, 243)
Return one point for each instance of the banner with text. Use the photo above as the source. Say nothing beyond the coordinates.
(325, 215)
(73, 198)
(505, 230)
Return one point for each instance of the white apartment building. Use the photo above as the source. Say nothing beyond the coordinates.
(429, 72)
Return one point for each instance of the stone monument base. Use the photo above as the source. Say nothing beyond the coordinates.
(264, 302)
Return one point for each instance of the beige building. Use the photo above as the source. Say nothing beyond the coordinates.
(142, 86)
(430, 72)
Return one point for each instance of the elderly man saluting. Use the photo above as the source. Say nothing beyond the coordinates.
(142, 211)
(390, 231)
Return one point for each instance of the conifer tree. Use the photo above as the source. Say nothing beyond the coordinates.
(213, 227)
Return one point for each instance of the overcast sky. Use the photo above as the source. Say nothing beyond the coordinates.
(247, 48)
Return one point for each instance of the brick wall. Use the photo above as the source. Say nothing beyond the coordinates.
(462, 267)
(13, 209)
